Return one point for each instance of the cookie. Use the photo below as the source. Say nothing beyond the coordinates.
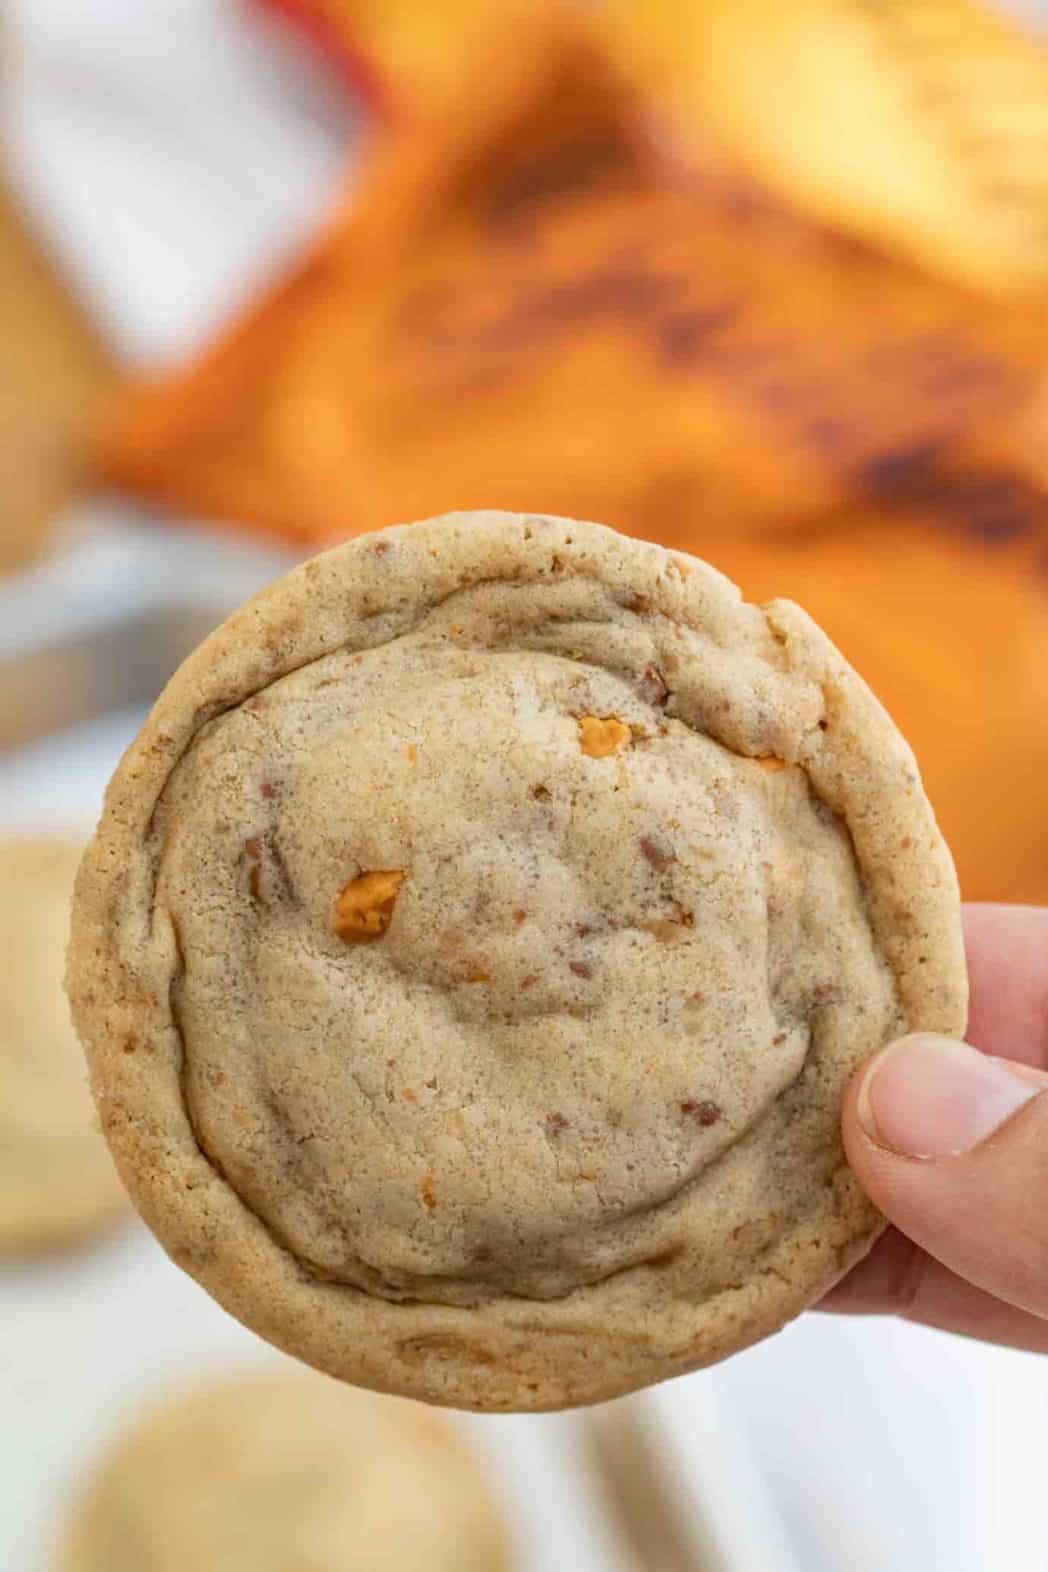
(57, 1180)
(286, 1472)
(476, 945)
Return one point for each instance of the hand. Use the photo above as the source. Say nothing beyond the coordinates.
(952, 1145)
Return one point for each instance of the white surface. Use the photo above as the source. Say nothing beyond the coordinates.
(712, 1469)
(888, 1448)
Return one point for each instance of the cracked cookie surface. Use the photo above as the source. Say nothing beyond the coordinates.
(504, 907)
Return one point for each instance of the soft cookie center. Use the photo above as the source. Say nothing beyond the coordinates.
(517, 985)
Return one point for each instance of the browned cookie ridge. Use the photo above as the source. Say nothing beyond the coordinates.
(475, 948)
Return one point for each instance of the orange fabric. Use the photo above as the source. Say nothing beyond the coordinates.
(919, 125)
(951, 632)
(531, 305)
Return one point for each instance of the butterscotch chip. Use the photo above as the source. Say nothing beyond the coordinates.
(364, 909)
(285, 1471)
(57, 1180)
(601, 735)
(629, 1128)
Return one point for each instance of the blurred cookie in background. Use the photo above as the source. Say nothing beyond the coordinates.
(57, 1181)
(286, 1471)
(52, 374)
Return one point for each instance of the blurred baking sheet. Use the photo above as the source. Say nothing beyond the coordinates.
(106, 619)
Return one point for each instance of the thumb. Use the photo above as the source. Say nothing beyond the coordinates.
(953, 1146)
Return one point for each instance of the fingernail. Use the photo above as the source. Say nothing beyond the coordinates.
(927, 1096)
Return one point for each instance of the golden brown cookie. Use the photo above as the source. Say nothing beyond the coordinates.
(57, 1180)
(286, 1472)
(475, 948)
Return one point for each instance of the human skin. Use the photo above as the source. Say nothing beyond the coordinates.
(951, 1142)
